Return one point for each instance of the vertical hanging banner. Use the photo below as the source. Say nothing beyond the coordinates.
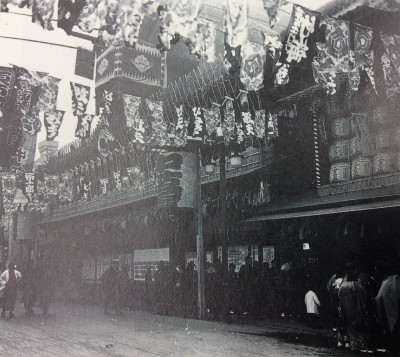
(363, 52)
(248, 124)
(30, 185)
(252, 69)
(68, 13)
(272, 7)
(66, 187)
(297, 47)
(104, 103)
(212, 118)
(232, 60)
(52, 123)
(48, 93)
(259, 123)
(201, 41)
(85, 62)
(84, 124)
(333, 56)
(361, 128)
(80, 98)
(9, 187)
(134, 119)
(179, 126)
(42, 13)
(391, 64)
(87, 20)
(197, 128)
(159, 128)
(236, 22)
(272, 129)
(51, 185)
(228, 124)
(117, 180)
(104, 186)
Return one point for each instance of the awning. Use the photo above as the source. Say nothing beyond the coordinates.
(325, 211)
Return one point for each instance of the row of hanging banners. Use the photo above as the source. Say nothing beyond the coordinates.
(347, 48)
(26, 191)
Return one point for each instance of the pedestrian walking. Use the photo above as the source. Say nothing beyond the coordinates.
(110, 287)
(9, 285)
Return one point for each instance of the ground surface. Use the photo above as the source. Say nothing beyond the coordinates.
(85, 331)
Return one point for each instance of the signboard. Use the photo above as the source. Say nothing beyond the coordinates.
(268, 254)
(192, 257)
(148, 257)
(238, 254)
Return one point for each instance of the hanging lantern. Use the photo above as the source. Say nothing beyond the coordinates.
(236, 160)
(209, 168)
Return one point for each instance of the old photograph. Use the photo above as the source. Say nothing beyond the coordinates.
(194, 178)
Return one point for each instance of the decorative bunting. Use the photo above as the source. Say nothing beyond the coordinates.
(202, 40)
(42, 13)
(52, 123)
(228, 124)
(236, 22)
(252, 69)
(80, 98)
(303, 24)
(159, 129)
(68, 13)
(84, 124)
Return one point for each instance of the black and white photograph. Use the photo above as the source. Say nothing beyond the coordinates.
(199, 178)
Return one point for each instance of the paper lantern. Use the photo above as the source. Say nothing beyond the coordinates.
(236, 161)
(209, 168)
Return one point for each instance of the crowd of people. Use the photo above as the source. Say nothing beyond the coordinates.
(35, 285)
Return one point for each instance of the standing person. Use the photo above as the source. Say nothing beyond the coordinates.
(45, 285)
(9, 282)
(124, 286)
(312, 306)
(148, 281)
(28, 287)
(109, 283)
(245, 285)
(354, 302)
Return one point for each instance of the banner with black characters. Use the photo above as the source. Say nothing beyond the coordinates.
(52, 123)
(84, 124)
(159, 129)
(8, 188)
(80, 98)
(30, 185)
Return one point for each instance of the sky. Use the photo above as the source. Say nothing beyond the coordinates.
(59, 61)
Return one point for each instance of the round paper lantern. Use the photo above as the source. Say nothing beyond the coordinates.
(209, 169)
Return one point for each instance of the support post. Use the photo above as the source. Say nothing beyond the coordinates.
(223, 227)
(199, 239)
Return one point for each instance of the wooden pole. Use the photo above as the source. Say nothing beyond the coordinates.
(199, 239)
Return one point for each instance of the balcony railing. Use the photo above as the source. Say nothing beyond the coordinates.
(390, 180)
(111, 200)
(253, 160)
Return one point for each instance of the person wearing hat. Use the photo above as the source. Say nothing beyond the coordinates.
(110, 287)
